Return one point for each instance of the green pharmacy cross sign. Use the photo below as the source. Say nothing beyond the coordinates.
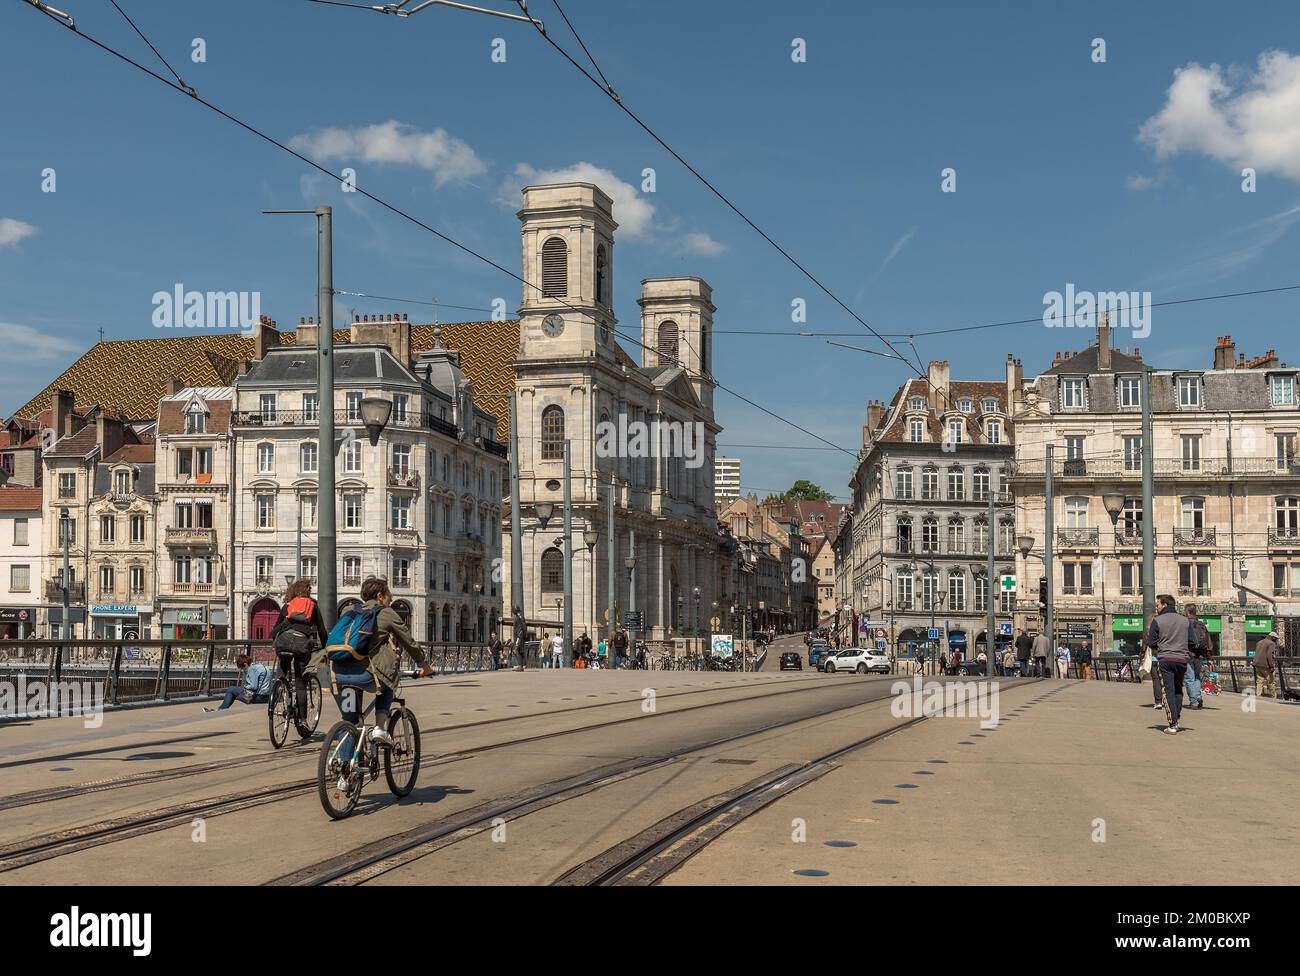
(1008, 584)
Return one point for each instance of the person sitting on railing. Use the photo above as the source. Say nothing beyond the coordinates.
(256, 689)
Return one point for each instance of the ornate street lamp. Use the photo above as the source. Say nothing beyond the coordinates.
(544, 512)
(1114, 504)
(1025, 543)
(375, 414)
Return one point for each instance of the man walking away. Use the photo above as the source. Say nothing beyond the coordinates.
(1024, 650)
(1084, 659)
(1168, 641)
(1063, 661)
(1198, 647)
(1266, 666)
(1040, 649)
(557, 651)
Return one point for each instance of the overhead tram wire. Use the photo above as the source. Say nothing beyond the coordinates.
(392, 208)
(179, 80)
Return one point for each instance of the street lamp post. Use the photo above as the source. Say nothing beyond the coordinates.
(589, 539)
(630, 563)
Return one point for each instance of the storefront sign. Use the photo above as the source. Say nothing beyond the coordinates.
(1128, 623)
(15, 615)
(117, 610)
(1259, 625)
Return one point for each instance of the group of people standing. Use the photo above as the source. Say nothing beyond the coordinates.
(1031, 656)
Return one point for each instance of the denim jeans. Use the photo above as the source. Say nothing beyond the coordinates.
(244, 695)
(358, 684)
(1192, 681)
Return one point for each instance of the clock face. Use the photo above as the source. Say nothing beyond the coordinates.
(553, 325)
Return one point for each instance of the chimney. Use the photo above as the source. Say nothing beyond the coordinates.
(1015, 381)
(937, 376)
(244, 364)
(875, 414)
(1103, 342)
(110, 435)
(265, 338)
(1225, 353)
(308, 331)
(392, 330)
(62, 416)
(175, 385)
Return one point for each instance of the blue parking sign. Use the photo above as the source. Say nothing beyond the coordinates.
(934, 633)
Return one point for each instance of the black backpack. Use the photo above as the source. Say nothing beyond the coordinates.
(296, 635)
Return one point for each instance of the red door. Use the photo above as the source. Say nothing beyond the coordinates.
(263, 619)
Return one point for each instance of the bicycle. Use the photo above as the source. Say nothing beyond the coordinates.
(283, 706)
(339, 780)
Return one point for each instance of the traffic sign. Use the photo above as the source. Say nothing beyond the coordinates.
(934, 633)
(880, 644)
(632, 620)
(1004, 629)
(1008, 584)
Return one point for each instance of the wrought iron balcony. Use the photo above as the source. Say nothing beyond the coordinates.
(54, 592)
(1078, 537)
(1194, 538)
(403, 478)
(1131, 538)
(1288, 536)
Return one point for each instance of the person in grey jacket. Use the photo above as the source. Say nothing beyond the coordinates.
(1266, 666)
(1042, 649)
(1168, 641)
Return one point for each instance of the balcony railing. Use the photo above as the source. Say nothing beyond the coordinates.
(403, 478)
(198, 589)
(194, 538)
(311, 418)
(1194, 538)
(1288, 536)
(1126, 538)
(1168, 467)
(54, 592)
(1077, 537)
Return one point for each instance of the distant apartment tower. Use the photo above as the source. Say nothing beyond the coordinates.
(726, 480)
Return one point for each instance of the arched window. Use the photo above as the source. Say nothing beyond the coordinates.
(602, 276)
(555, 268)
(553, 434)
(552, 571)
(667, 342)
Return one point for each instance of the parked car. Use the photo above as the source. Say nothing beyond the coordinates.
(860, 660)
(818, 650)
(791, 660)
(964, 667)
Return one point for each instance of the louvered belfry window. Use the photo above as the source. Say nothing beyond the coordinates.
(667, 343)
(555, 268)
(553, 434)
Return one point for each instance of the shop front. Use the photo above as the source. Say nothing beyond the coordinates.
(1258, 626)
(1214, 627)
(1126, 633)
(195, 623)
(121, 621)
(17, 623)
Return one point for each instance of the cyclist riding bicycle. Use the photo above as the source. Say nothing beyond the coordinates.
(298, 633)
(376, 668)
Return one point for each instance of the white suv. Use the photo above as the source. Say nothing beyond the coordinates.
(858, 659)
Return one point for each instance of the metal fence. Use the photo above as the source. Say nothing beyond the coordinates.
(1236, 673)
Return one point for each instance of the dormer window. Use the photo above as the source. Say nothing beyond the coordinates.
(1130, 391)
(966, 405)
(1189, 391)
(1282, 390)
(196, 420)
(956, 430)
(1072, 393)
(917, 433)
(993, 431)
(989, 405)
(122, 482)
(916, 403)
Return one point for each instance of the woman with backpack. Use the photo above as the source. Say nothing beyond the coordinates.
(299, 632)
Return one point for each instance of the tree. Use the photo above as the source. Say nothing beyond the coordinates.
(805, 491)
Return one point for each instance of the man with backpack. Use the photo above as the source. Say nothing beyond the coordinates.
(1198, 646)
(362, 656)
(299, 632)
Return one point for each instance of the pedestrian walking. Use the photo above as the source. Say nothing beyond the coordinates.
(1024, 648)
(557, 651)
(1063, 661)
(1168, 641)
(1008, 661)
(1040, 649)
(620, 647)
(1266, 666)
(1198, 647)
(943, 663)
(495, 647)
(1083, 658)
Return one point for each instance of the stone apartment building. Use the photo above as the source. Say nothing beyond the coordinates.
(421, 507)
(193, 475)
(1227, 493)
(21, 564)
(920, 531)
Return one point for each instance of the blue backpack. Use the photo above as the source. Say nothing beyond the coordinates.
(350, 638)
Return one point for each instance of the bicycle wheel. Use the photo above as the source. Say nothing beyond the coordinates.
(278, 712)
(402, 761)
(307, 726)
(339, 781)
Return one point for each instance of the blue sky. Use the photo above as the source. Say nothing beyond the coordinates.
(1122, 175)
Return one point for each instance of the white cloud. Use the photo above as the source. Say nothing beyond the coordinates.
(1237, 117)
(35, 344)
(1233, 251)
(702, 244)
(1139, 182)
(12, 231)
(633, 212)
(443, 155)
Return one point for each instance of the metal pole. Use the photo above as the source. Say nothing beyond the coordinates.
(568, 554)
(297, 552)
(612, 580)
(65, 631)
(631, 590)
(990, 643)
(518, 616)
(1049, 530)
(326, 542)
(1148, 506)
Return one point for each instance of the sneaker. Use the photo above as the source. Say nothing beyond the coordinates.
(380, 736)
(1170, 730)
(343, 784)
(208, 708)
